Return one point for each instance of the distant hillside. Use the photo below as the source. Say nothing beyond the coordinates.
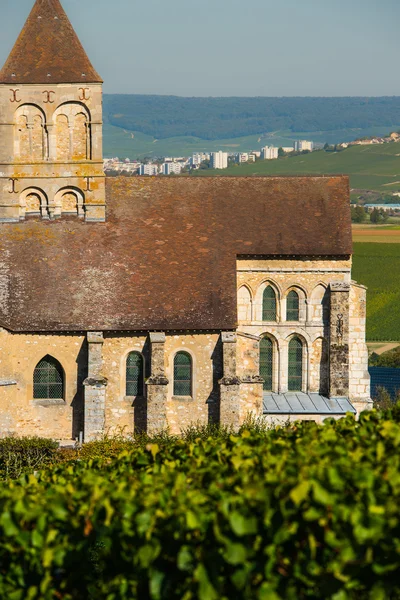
(222, 118)
(374, 167)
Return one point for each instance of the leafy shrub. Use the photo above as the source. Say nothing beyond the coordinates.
(304, 511)
(28, 454)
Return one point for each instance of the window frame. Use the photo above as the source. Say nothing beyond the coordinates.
(296, 310)
(271, 363)
(301, 364)
(175, 392)
(58, 370)
(264, 309)
(141, 385)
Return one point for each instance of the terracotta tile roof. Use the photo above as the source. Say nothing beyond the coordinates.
(48, 50)
(166, 257)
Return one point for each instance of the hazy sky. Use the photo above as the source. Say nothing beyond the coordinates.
(234, 47)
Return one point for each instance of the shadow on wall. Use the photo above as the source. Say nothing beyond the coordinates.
(78, 402)
(213, 401)
(140, 402)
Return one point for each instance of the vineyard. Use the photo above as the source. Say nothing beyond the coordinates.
(304, 511)
(378, 267)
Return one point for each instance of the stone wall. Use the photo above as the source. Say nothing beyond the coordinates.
(51, 145)
(95, 384)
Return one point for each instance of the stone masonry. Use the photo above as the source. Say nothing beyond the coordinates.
(95, 388)
(339, 339)
(157, 386)
(230, 383)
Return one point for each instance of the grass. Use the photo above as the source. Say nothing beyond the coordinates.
(377, 266)
(369, 167)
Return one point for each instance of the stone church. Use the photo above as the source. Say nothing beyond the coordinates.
(147, 303)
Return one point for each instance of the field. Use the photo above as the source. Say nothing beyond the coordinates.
(377, 266)
(135, 145)
(382, 234)
(369, 167)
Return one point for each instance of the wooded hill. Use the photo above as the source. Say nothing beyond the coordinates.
(219, 118)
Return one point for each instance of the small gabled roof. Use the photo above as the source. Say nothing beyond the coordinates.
(48, 50)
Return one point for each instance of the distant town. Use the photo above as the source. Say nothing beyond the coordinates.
(206, 160)
(222, 160)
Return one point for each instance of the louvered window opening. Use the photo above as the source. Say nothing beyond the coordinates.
(182, 375)
(269, 304)
(266, 363)
(48, 381)
(295, 365)
(293, 307)
(134, 375)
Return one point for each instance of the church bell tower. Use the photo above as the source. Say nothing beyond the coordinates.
(51, 162)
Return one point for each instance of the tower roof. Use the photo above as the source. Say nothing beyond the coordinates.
(48, 50)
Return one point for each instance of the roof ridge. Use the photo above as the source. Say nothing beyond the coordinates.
(48, 50)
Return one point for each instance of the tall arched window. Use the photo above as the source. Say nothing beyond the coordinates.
(63, 137)
(269, 304)
(79, 148)
(134, 374)
(182, 374)
(266, 363)
(293, 306)
(295, 375)
(48, 379)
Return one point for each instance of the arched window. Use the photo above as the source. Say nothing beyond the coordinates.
(269, 304)
(182, 374)
(79, 151)
(63, 137)
(293, 306)
(134, 374)
(295, 362)
(48, 379)
(266, 363)
(244, 304)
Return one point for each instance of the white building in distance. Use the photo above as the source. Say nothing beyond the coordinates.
(170, 168)
(302, 145)
(148, 170)
(219, 160)
(198, 158)
(242, 157)
(269, 153)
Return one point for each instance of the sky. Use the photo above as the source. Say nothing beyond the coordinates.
(233, 47)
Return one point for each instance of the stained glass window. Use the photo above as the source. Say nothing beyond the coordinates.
(48, 379)
(293, 306)
(266, 363)
(134, 374)
(295, 365)
(182, 374)
(269, 304)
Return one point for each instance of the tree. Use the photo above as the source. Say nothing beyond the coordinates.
(281, 153)
(378, 216)
(389, 359)
(358, 214)
(205, 164)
